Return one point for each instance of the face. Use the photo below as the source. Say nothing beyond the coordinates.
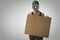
(35, 6)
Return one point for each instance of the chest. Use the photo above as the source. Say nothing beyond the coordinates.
(38, 14)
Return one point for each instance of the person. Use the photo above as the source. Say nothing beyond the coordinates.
(35, 6)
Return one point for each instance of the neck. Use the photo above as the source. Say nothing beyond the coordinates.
(36, 11)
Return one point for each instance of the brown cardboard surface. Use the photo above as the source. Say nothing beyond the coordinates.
(37, 25)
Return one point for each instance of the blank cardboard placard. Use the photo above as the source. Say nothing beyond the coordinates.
(37, 25)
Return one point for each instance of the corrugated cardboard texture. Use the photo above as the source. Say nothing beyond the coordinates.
(37, 25)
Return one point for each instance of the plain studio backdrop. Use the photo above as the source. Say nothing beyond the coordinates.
(13, 14)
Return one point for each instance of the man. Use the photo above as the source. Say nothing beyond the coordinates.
(35, 6)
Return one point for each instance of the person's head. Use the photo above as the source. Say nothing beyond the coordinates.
(35, 5)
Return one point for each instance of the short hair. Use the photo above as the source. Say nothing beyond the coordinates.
(35, 2)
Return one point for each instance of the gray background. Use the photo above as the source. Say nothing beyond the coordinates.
(13, 15)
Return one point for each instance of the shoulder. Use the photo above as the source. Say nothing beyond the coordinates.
(48, 17)
(42, 13)
(29, 13)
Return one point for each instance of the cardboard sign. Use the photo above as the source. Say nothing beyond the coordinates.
(38, 25)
